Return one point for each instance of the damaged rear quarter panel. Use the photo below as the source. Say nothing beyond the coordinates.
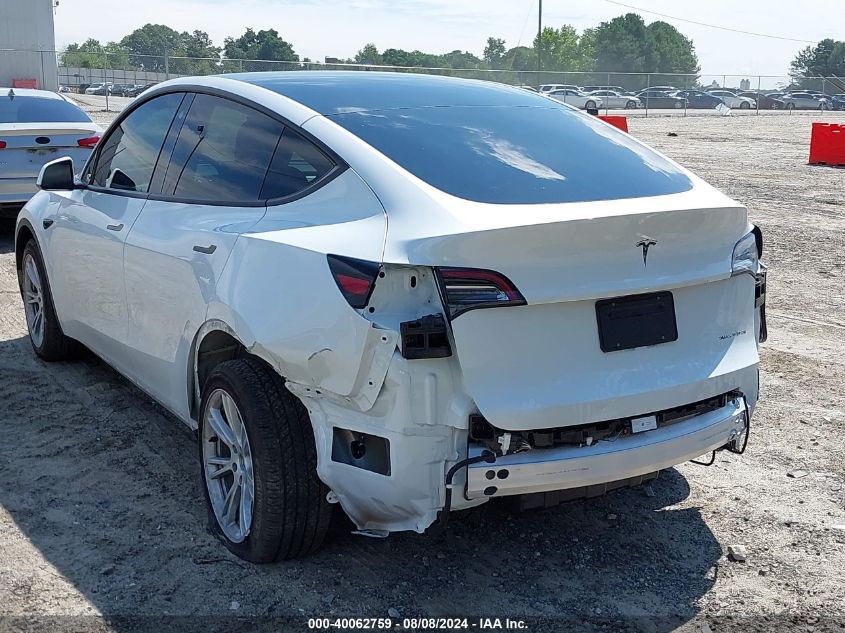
(279, 297)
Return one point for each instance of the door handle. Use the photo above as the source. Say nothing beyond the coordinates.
(208, 250)
(115, 227)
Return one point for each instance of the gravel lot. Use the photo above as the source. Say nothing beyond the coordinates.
(101, 513)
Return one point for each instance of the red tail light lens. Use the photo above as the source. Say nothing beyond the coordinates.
(473, 288)
(2, 144)
(90, 141)
(355, 278)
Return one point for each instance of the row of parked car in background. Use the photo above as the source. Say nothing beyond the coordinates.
(670, 97)
(109, 88)
(613, 97)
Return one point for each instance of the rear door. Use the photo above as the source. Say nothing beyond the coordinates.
(90, 226)
(226, 162)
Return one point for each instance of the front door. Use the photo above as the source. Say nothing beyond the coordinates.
(91, 225)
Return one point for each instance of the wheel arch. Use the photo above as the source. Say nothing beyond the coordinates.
(23, 234)
(214, 343)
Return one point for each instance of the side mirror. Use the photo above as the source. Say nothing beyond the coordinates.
(57, 175)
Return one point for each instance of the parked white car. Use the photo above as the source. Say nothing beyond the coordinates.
(733, 100)
(37, 126)
(358, 298)
(551, 87)
(576, 98)
(617, 100)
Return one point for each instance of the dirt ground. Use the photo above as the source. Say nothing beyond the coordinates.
(101, 513)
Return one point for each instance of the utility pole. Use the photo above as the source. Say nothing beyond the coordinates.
(539, 43)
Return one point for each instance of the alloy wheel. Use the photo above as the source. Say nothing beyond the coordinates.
(228, 466)
(33, 297)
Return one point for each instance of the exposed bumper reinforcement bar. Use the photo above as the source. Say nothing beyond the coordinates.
(541, 470)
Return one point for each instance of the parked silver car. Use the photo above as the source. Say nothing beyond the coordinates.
(805, 101)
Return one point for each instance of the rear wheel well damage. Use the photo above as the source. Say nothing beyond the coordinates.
(213, 347)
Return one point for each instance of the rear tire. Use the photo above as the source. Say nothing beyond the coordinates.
(679, 105)
(274, 455)
(45, 334)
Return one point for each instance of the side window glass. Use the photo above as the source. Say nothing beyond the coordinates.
(129, 154)
(296, 164)
(223, 152)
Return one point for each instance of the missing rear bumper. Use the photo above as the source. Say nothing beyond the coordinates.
(568, 467)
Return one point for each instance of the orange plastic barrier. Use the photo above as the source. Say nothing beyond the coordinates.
(24, 83)
(827, 144)
(620, 122)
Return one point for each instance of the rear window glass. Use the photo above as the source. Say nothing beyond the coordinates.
(39, 110)
(516, 155)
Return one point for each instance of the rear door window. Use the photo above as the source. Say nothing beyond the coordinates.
(129, 153)
(223, 152)
(296, 164)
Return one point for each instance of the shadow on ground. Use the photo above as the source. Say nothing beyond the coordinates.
(105, 485)
(7, 236)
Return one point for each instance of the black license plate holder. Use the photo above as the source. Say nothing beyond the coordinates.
(636, 321)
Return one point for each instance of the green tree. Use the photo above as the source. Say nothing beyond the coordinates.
(669, 51)
(263, 45)
(587, 49)
(458, 59)
(157, 47)
(520, 58)
(92, 54)
(561, 49)
(826, 59)
(620, 44)
(149, 45)
(369, 55)
(626, 44)
(494, 52)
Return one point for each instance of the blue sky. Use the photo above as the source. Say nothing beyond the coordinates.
(318, 28)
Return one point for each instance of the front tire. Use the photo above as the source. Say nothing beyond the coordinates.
(744, 105)
(259, 465)
(790, 106)
(45, 334)
(631, 105)
(590, 105)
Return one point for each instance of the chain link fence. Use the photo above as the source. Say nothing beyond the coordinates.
(127, 72)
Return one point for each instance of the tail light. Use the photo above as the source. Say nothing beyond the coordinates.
(89, 141)
(467, 289)
(355, 278)
(2, 144)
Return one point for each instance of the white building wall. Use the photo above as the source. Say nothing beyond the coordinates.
(28, 43)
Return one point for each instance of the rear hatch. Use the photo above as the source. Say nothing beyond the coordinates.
(688, 336)
(29, 145)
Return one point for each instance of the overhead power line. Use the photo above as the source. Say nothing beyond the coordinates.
(712, 26)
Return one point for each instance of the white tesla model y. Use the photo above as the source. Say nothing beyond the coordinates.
(399, 293)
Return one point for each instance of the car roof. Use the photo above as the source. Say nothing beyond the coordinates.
(31, 92)
(337, 92)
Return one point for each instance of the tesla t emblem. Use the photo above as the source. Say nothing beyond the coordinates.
(645, 244)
